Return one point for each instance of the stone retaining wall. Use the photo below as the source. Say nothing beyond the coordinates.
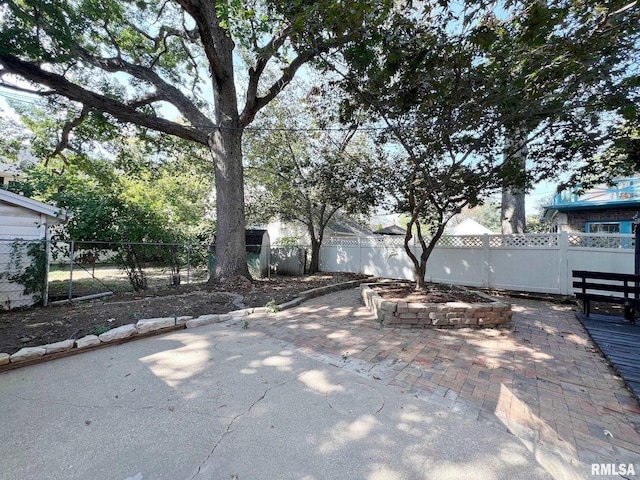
(399, 314)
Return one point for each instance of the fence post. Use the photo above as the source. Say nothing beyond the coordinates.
(563, 263)
(188, 262)
(486, 260)
(71, 247)
(45, 287)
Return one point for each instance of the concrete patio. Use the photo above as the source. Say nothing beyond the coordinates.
(322, 391)
(543, 379)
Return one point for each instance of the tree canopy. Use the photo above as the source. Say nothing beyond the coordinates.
(170, 67)
(464, 90)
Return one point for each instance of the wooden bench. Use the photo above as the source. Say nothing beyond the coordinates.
(623, 289)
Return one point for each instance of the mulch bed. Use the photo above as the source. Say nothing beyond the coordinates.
(432, 293)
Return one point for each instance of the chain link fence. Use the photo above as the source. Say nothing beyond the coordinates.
(81, 269)
(39, 272)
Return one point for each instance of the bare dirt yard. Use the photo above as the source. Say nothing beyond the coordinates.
(40, 326)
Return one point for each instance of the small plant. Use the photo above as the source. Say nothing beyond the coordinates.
(27, 266)
(245, 325)
(345, 356)
(135, 315)
(272, 307)
(289, 242)
(99, 330)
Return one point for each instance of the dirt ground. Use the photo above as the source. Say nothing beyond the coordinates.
(433, 293)
(40, 326)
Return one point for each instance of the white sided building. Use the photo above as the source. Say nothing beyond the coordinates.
(25, 224)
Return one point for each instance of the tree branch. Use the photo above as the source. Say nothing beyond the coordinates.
(255, 104)
(264, 55)
(115, 108)
(164, 91)
(66, 131)
(204, 14)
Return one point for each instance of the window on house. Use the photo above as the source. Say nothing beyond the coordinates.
(602, 227)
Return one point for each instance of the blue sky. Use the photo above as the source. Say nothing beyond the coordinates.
(541, 192)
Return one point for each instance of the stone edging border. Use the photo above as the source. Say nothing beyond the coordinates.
(150, 326)
(398, 314)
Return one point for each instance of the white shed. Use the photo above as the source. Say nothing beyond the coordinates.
(24, 230)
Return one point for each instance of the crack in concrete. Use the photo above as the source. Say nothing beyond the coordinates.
(228, 430)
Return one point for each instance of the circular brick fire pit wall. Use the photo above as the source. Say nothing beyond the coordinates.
(399, 314)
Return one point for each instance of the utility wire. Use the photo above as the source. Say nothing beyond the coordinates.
(16, 97)
(23, 98)
(30, 100)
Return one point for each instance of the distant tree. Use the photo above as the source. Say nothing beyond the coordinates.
(567, 64)
(620, 159)
(535, 224)
(110, 211)
(312, 176)
(486, 214)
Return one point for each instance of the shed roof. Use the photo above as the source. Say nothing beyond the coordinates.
(30, 204)
(391, 230)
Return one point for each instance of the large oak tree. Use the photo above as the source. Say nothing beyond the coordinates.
(158, 65)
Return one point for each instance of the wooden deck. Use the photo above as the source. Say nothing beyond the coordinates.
(619, 341)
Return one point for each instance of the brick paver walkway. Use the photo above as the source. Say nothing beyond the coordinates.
(543, 379)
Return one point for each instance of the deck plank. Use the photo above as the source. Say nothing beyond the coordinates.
(619, 341)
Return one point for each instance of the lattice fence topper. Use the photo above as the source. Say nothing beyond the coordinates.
(528, 240)
(382, 241)
(602, 241)
(461, 241)
(342, 242)
(377, 241)
(525, 240)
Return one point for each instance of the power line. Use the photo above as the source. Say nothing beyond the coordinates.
(17, 97)
(302, 129)
(32, 101)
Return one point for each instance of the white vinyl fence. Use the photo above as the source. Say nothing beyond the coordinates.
(531, 262)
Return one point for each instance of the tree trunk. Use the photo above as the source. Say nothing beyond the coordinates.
(513, 211)
(513, 204)
(315, 256)
(231, 252)
(420, 264)
(225, 143)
